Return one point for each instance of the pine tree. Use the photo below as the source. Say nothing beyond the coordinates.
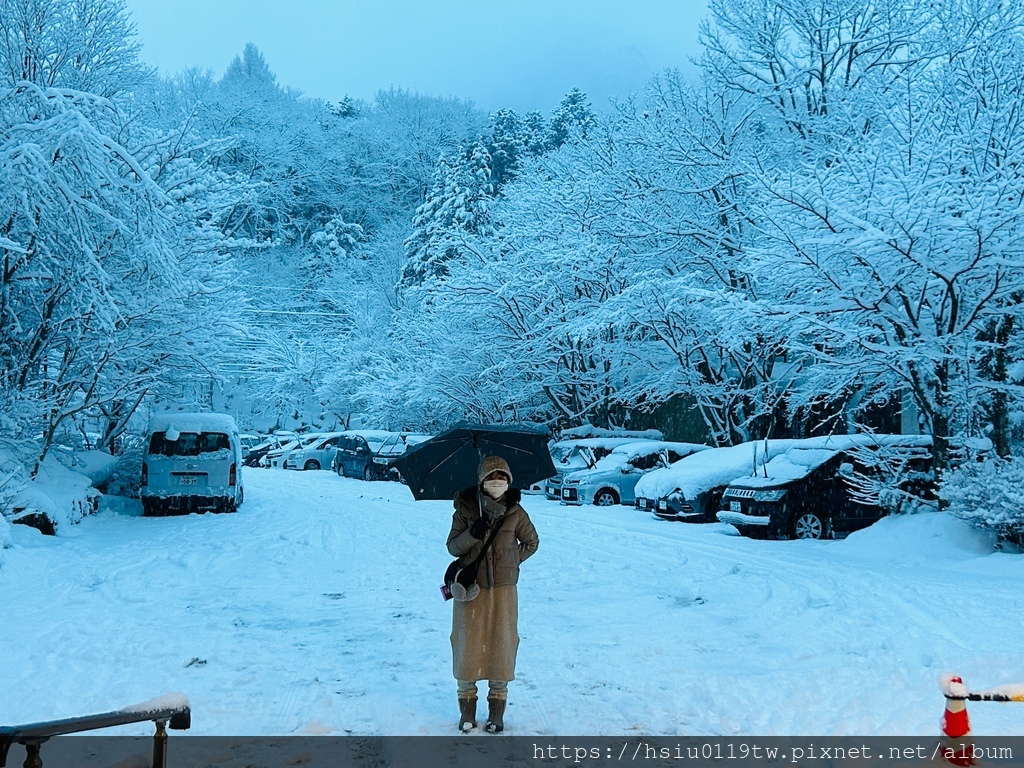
(457, 205)
(507, 145)
(249, 71)
(573, 117)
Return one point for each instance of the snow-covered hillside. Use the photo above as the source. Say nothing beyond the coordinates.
(316, 610)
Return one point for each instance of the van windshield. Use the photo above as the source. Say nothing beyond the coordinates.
(188, 443)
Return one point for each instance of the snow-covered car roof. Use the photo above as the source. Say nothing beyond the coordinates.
(321, 436)
(600, 433)
(599, 442)
(566, 455)
(800, 460)
(632, 450)
(703, 471)
(192, 422)
(624, 453)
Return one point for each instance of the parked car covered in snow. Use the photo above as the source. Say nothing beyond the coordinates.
(276, 458)
(808, 490)
(574, 455)
(367, 454)
(257, 455)
(612, 480)
(317, 453)
(191, 463)
(691, 489)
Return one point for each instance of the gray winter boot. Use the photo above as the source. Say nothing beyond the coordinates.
(495, 715)
(467, 714)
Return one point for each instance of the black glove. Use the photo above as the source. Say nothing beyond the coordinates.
(479, 528)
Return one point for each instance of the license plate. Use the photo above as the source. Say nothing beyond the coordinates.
(188, 480)
(642, 503)
(662, 505)
(565, 493)
(734, 506)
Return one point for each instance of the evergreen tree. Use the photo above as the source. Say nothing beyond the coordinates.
(573, 116)
(457, 205)
(506, 145)
(250, 71)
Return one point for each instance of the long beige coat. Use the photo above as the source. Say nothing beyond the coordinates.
(485, 636)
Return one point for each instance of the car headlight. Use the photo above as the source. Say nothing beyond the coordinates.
(768, 495)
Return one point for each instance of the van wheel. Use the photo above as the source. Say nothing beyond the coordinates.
(606, 497)
(810, 525)
(341, 470)
(311, 464)
(368, 472)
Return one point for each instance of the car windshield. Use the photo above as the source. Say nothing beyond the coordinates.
(188, 443)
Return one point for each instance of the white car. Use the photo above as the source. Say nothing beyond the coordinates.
(613, 479)
(276, 459)
(317, 453)
(192, 462)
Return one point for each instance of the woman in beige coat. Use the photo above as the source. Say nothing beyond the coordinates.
(484, 628)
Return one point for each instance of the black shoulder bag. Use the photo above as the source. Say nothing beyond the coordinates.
(460, 581)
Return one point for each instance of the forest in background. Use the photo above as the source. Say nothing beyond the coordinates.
(827, 222)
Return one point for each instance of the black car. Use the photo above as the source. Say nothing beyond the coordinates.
(811, 492)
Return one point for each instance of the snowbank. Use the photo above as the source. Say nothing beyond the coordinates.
(60, 495)
(926, 538)
(98, 466)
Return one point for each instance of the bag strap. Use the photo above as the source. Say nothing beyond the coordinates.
(487, 544)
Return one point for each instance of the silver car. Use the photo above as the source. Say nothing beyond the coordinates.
(317, 453)
(573, 455)
(613, 478)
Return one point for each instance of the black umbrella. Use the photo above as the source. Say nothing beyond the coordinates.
(442, 466)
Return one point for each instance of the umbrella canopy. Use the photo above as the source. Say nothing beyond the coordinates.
(442, 466)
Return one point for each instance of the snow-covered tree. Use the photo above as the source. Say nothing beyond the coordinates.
(573, 117)
(456, 207)
(895, 248)
(81, 45)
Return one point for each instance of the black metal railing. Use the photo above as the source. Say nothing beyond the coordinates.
(31, 736)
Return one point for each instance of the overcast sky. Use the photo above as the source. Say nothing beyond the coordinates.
(523, 54)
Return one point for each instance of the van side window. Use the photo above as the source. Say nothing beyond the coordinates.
(188, 443)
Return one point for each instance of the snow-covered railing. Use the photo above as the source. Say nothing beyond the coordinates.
(170, 710)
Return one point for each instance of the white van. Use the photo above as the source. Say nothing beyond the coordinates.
(192, 462)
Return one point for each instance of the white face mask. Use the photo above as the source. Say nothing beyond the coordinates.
(495, 488)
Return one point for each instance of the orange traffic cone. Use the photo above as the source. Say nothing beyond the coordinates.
(956, 726)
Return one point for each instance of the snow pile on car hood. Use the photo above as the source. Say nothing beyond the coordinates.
(704, 470)
(800, 460)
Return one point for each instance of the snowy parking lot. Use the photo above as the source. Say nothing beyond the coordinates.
(315, 610)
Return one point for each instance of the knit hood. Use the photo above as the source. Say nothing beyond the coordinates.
(492, 464)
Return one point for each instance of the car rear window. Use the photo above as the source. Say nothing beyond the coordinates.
(188, 443)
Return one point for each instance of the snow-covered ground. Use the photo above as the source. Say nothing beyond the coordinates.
(315, 610)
